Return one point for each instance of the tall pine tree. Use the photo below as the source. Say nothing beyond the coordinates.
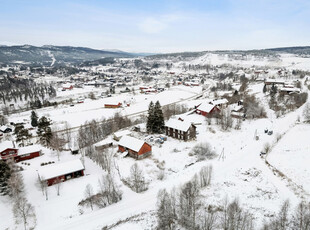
(150, 118)
(155, 120)
(44, 130)
(159, 122)
(34, 119)
(5, 174)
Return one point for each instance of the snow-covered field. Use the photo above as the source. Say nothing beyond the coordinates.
(239, 170)
(292, 155)
(94, 109)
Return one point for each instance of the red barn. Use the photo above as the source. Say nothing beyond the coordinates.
(136, 148)
(67, 86)
(113, 105)
(206, 108)
(53, 174)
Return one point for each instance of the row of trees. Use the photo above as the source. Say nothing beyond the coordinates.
(183, 206)
(12, 184)
(108, 194)
(14, 89)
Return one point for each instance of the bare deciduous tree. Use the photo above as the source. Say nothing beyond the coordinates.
(203, 151)
(57, 143)
(205, 175)
(88, 193)
(166, 212)
(189, 203)
(24, 213)
(136, 180)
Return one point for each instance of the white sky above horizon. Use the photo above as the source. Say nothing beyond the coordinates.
(157, 26)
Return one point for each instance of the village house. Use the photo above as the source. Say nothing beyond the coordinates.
(67, 86)
(206, 109)
(180, 129)
(136, 148)
(52, 174)
(9, 150)
(220, 103)
(237, 110)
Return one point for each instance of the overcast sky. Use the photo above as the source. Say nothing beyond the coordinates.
(156, 25)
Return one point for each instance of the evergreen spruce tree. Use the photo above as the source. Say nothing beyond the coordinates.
(44, 130)
(265, 89)
(5, 174)
(34, 119)
(159, 122)
(150, 118)
(22, 134)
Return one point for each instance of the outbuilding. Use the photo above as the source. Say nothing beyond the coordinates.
(53, 174)
(113, 105)
(136, 148)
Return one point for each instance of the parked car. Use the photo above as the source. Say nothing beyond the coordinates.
(270, 132)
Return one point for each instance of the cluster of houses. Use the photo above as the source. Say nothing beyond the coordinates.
(284, 87)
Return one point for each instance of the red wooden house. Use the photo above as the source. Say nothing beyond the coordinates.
(206, 109)
(53, 174)
(136, 148)
(8, 150)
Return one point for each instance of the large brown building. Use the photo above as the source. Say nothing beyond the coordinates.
(179, 129)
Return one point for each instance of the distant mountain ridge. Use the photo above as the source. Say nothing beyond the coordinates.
(53, 55)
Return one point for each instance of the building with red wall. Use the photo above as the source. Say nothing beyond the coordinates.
(136, 148)
(9, 150)
(53, 174)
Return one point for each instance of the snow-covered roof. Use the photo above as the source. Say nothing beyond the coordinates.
(103, 142)
(67, 85)
(29, 149)
(5, 145)
(288, 89)
(52, 171)
(275, 81)
(219, 101)
(235, 107)
(206, 107)
(178, 124)
(3, 128)
(119, 134)
(131, 143)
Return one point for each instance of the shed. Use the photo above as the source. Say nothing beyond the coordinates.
(53, 174)
(118, 135)
(136, 148)
(113, 105)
